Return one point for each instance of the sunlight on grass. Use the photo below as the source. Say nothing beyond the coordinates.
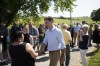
(95, 60)
(67, 21)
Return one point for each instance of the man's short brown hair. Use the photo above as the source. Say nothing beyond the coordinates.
(49, 19)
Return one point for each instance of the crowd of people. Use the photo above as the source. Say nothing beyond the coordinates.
(22, 44)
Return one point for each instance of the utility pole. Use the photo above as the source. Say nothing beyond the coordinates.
(70, 16)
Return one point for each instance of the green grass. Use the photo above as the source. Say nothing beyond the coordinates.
(67, 21)
(95, 60)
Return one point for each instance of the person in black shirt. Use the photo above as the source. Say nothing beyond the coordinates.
(41, 30)
(71, 29)
(15, 27)
(96, 35)
(21, 53)
(4, 34)
(83, 43)
(27, 37)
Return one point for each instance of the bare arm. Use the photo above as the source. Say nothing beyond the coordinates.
(31, 40)
(30, 50)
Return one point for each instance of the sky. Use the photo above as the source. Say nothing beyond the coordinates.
(83, 8)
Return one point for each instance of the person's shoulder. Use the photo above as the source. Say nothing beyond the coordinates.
(27, 44)
(66, 31)
(75, 26)
(33, 27)
(46, 31)
(57, 29)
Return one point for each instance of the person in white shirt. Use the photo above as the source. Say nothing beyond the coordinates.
(55, 41)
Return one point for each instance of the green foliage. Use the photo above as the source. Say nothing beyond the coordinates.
(95, 15)
(63, 5)
(26, 8)
(9, 9)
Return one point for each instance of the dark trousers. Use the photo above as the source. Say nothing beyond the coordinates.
(67, 55)
(4, 44)
(72, 43)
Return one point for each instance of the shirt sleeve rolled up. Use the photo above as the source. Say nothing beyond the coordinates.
(61, 39)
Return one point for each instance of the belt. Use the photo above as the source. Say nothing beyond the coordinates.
(55, 51)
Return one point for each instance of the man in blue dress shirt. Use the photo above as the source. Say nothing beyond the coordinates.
(55, 41)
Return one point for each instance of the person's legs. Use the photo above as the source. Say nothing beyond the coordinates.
(54, 58)
(62, 58)
(98, 47)
(72, 43)
(75, 36)
(4, 44)
(67, 55)
(90, 40)
(83, 57)
(1, 56)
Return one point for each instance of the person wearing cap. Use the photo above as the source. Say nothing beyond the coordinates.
(55, 41)
(67, 39)
(83, 38)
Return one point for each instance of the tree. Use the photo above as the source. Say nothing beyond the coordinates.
(9, 8)
(95, 15)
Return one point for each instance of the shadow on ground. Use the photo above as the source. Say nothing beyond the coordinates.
(76, 49)
(43, 59)
(90, 54)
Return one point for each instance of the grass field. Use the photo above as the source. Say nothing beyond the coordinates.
(95, 60)
(67, 21)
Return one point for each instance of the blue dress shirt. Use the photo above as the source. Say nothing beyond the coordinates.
(54, 39)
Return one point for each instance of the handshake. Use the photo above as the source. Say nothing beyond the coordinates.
(40, 53)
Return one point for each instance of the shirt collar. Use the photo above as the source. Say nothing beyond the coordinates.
(64, 29)
(54, 27)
